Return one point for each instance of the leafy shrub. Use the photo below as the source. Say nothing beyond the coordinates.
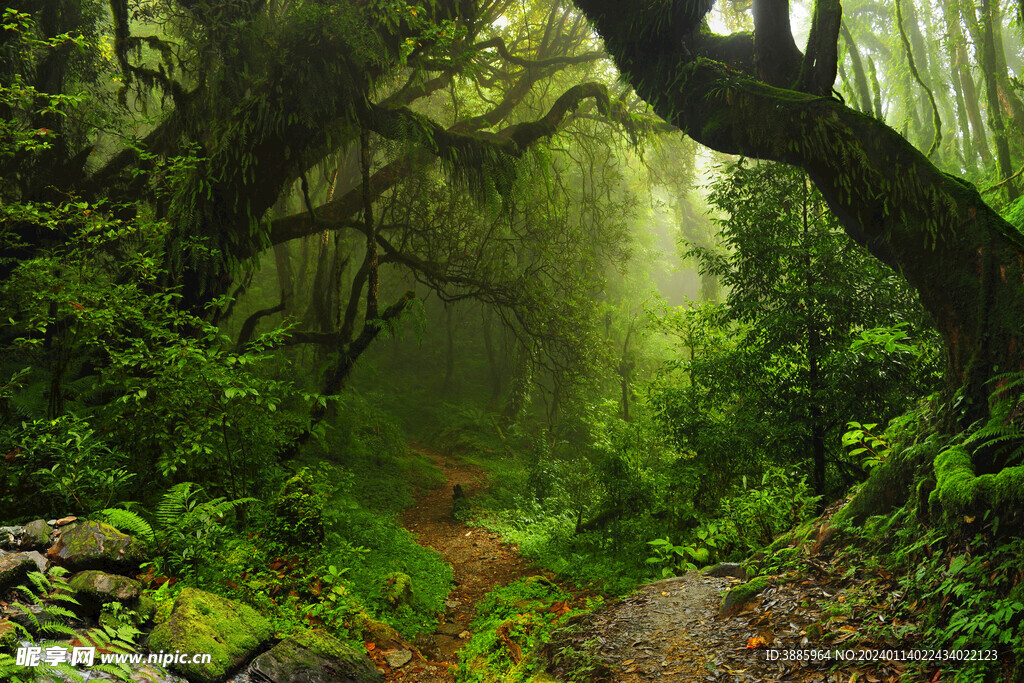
(514, 622)
(749, 520)
(66, 461)
(190, 528)
(299, 508)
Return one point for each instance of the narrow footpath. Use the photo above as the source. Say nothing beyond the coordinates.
(480, 560)
(669, 631)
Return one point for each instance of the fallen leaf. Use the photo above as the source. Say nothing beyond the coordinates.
(756, 642)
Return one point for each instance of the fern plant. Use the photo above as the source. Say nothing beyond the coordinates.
(190, 525)
(46, 592)
(1004, 430)
(129, 522)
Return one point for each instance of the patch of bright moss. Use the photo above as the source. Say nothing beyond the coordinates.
(741, 594)
(202, 622)
(958, 492)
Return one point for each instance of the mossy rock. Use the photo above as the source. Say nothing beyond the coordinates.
(960, 493)
(314, 657)
(737, 597)
(95, 588)
(14, 568)
(375, 631)
(37, 535)
(97, 545)
(397, 589)
(201, 622)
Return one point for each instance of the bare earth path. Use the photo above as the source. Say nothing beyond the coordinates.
(480, 560)
(668, 631)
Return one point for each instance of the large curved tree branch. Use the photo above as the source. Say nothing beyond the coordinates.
(966, 262)
(456, 141)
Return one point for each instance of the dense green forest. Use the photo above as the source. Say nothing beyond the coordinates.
(365, 340)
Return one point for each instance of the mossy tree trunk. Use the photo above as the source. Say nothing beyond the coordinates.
(964, 260)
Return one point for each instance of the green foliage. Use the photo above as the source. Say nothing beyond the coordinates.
(191, 526)
(129, 522)
(873, 449)
(300, 510)
(813, 333)
(678, 559)
(514, 622)
(749, 520)
(1002, 435)
(46, 591)
(372, 550)
(68, 462)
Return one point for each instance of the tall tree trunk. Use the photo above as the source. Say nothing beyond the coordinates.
(953, 48)
(859, 79)
(990, 67)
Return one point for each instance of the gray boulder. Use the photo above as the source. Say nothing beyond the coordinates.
(10, 537)
(313, 657)
(37, 535)
(14, 567)
(94, 588)
(96, 545)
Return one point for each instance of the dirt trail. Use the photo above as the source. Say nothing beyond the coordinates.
(481, 562)
(668, 631)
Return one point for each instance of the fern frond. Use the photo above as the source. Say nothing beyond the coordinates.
(121, 672)
(68, 673)
(129, 522)
(64, 597)
(32, 597)
(88, 638)
(38, 580)
(52, 628)
(58, 611)
(221, 507)
(174, 504)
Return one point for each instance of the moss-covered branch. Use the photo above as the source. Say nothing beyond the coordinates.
(959, 492)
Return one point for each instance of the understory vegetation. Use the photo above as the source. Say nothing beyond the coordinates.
(265, 265)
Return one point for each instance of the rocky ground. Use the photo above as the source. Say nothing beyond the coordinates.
(100, 562)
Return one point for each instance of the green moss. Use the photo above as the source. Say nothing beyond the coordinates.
(202, 622)
(888, 487)
(104, 587)
(793, 538)
(97, 545)
(740, 595)
(146, 609)
(322, 644)
(958, 492)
